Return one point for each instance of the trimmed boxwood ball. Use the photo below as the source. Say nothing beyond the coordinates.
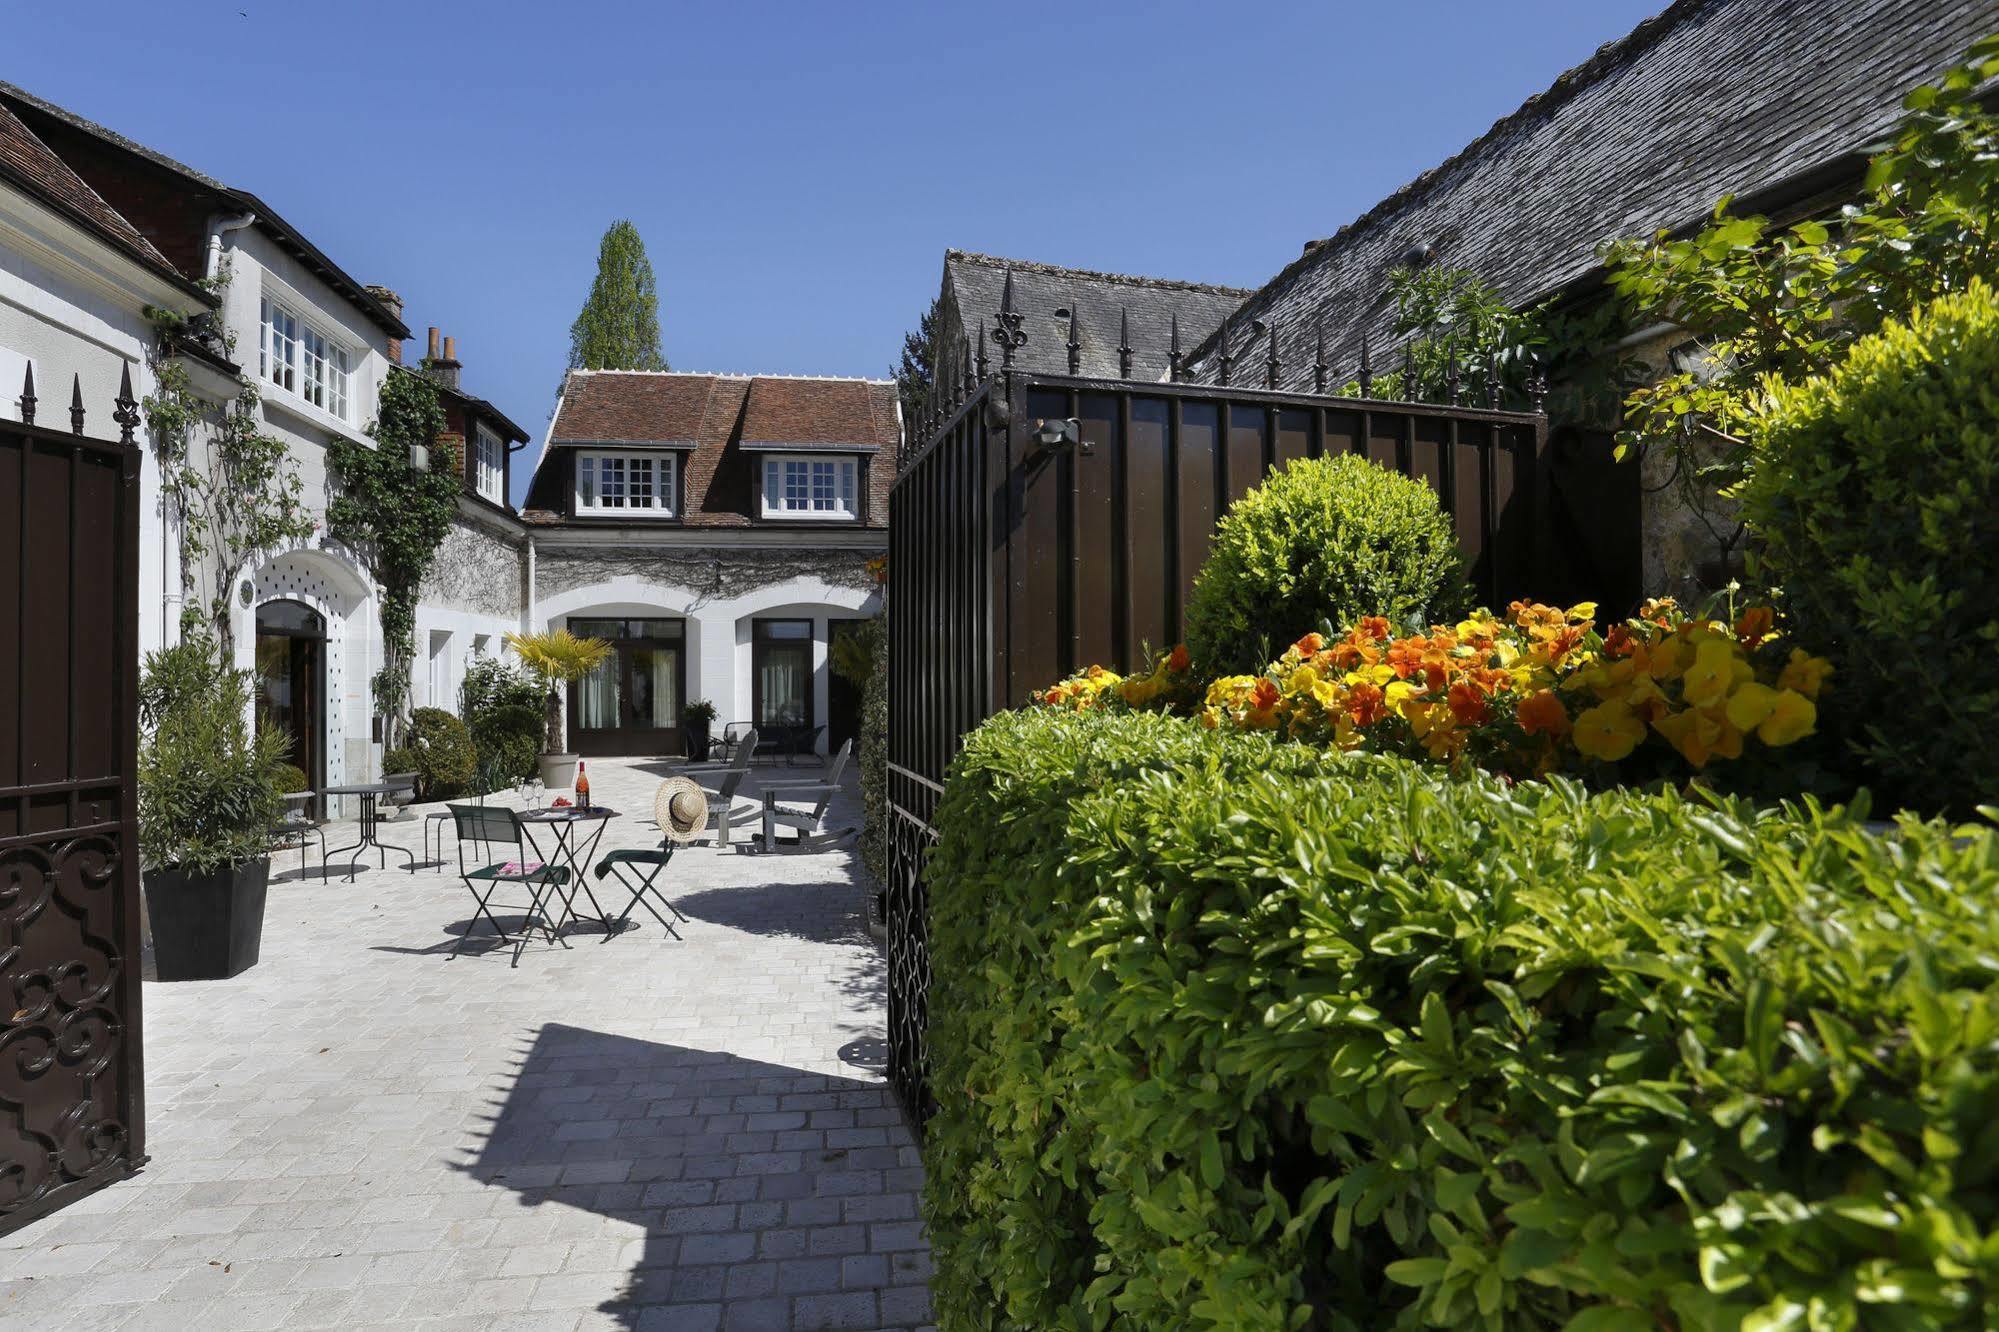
(1322, 542)
(1230, 1033)
(441, 753)
(1874, 498)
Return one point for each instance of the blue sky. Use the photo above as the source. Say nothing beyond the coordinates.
(797, 170)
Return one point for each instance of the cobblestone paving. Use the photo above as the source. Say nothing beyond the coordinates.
(631, 1132)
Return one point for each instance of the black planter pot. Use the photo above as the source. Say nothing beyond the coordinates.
(698, 742)
(206, 926)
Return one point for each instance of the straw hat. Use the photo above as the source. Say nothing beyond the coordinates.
(681, 809)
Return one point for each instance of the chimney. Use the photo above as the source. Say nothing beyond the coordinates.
(432, 354)
(394, 305)
(444, 369)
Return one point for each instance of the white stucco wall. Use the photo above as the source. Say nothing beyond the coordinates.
(719, 628)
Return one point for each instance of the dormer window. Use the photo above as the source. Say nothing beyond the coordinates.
(625, 484)
(809, 486)
(489, 466)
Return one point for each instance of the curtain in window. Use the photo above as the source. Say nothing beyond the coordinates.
(597, 697)
(782, 680)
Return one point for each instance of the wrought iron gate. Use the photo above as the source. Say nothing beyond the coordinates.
(71, 1091)
(1012, 563)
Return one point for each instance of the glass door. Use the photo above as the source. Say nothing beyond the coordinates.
(631, 703)
(781, 683)
(291, 655)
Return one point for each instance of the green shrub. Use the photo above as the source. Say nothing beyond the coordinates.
(1872, 495)
(872, 751)
(290, 777)
(440, 753)
(491, 684)
(508, 740)
(1229, 1033)
(1321, 543)
(208, 787)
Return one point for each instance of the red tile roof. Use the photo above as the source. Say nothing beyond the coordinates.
(29, 162)
(721, 419)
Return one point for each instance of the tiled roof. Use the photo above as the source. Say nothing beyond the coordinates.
(973, 285)
(30, 164)
(812, 413)
(55, 119)
(1709, 97)
(721, 420)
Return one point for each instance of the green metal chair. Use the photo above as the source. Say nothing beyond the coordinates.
(485, 825)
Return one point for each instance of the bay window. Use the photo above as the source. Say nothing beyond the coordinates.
(300, 359)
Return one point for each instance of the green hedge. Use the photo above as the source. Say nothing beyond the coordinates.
(1872, 495)
(1234, 1034)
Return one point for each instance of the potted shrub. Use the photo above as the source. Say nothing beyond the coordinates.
(208, 799)
(556, 659)
(697, 724)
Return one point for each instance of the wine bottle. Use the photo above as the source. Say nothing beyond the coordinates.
(582, 788)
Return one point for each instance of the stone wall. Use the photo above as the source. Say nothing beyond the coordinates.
(477, 570)
(707, 573)
(1691, 543)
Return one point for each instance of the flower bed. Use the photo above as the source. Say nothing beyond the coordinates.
(1536, 692)
(1232, 1033)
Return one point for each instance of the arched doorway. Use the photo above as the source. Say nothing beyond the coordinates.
(291, 681)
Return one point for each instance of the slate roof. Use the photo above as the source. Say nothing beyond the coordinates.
(32, 166)
(972, 288)
(49, 118)
(717, 422)
(1776, 98)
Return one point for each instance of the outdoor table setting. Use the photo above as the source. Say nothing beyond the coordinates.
(574, 845)
(370, 794)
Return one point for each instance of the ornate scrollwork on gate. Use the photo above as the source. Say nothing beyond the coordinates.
(909, 964)
(61, 1034)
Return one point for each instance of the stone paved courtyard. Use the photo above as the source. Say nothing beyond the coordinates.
(632, 1132)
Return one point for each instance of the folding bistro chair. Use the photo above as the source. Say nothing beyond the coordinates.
(785, 805)
(484, 825)
(682, 813)
(299, 823)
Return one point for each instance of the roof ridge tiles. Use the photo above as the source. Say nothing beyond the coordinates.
(737, 374)
(1123, 279)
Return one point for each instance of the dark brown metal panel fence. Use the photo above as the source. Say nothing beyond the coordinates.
(71, 1091)
(1012, 565)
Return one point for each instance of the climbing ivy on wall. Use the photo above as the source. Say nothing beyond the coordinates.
(234, 489)
(395, 517)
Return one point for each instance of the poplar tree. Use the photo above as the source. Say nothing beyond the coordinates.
(618, 328)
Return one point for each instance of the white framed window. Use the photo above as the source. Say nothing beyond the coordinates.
(639, 485)
(300, 359)
(806, 486)
(489, 466)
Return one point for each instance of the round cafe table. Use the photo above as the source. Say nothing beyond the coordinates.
(576, 833)
(371, 794)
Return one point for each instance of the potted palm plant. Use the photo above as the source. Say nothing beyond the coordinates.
(557, 658)
(209, 796)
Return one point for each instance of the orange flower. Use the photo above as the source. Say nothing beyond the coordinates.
(1617, 642)
(1366, 704)
(1179, 661)
(1264, 694)
(1468, 705)
(1375, 627)
(1754, 625)
(1542, 713)
(1309, 644)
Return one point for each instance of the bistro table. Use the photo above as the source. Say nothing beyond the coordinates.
(370, 794)
(573, 849)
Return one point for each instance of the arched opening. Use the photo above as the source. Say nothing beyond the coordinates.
(291, 681)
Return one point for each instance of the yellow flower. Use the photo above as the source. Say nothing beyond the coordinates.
(1701, 734)
(1749, 705)
(1804, 673)
(1608, 731)
(1582, 610)
(1713, 673)
(1301, 681)
(1792, 718)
